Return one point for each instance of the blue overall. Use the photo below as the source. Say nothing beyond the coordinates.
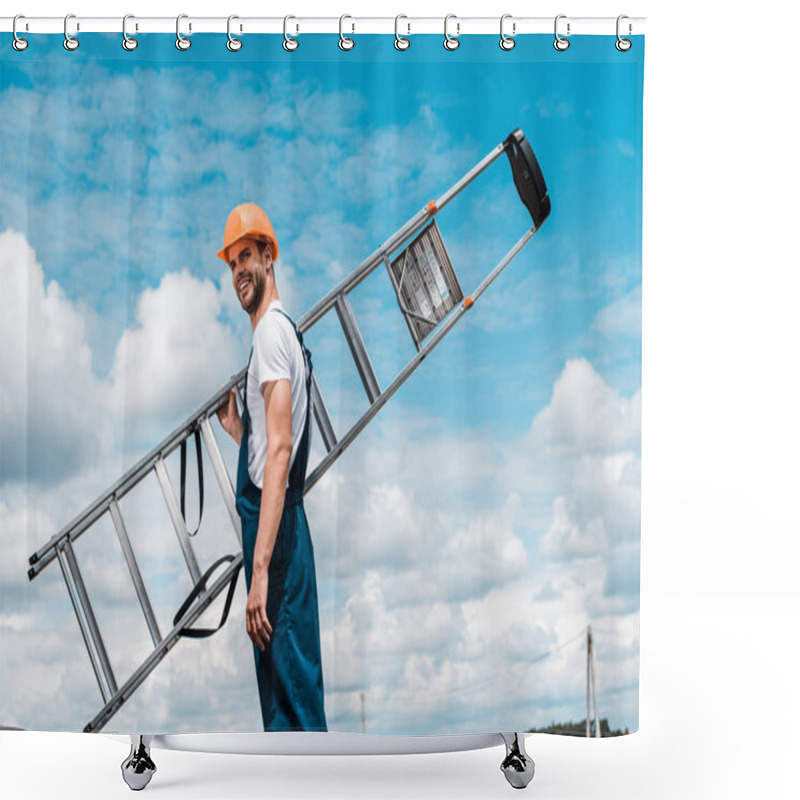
(289, 670)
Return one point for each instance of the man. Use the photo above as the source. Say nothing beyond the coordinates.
(273, 434)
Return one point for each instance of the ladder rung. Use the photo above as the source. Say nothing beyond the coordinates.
(178, 521)
(113, 703)
(136, 575)
(321, 415)
(223, 479)
(86, 619)
(436, 336)
(357, 348)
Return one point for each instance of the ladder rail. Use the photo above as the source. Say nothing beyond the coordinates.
(45, 554)
(87, 637)
(42, 557)
(113, 704)
(89, 626)
(435, 337)
(373, 261)
(59, 547)
(123, 693)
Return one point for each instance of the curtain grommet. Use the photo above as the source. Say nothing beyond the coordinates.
(451, 42)
(345, 42)
(19, 44)
(290, 44)
(233, 44)
(181, 42)
(128, 42)
(70, 42)
(561, 43)
(507, 42)
(401, 42)
(622, 44)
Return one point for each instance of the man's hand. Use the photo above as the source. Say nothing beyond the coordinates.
(228, 416)
(258, 626)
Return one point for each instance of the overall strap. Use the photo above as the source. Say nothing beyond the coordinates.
(297, 475)
(306, 354)
(246, 373)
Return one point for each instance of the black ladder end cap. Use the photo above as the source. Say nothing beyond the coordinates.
(528, 178)
(516, 135)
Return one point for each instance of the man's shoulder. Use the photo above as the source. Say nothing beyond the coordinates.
(273, 324)
(275, 335)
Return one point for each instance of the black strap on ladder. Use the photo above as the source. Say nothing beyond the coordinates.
(202, 633)
(199, 480)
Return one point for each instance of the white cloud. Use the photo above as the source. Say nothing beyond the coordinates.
(600, 510)
(54, 408)
(593, 434)
(434, 600)
(177, 353)
(623, 317)
(500, 660)
(59, 417)
(417, 629)
(446, 590)
(565, 536)
(585, 415)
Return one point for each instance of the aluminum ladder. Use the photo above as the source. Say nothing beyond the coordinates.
(432, 303)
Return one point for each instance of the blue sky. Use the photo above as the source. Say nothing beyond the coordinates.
(119, 170)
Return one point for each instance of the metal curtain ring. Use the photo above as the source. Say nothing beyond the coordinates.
(400, 42)
(18, 43)
(128, 42)
(70, 42)
(451, 42)
(181, 42)
(345, 42)
(506, 42)
(289, 43)
(233, 44)
(623, 45)
(561, 43)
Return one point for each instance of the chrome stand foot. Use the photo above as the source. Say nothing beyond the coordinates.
(517, 766)
(138, 768)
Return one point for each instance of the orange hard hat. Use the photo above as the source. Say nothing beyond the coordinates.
(247, 220)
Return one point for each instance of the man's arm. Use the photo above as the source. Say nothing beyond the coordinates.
(278, 410)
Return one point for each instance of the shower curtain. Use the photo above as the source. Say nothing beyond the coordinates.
(461, 552)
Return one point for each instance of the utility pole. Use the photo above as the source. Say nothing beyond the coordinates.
(363, 715)
(590, 684)
(594, 688)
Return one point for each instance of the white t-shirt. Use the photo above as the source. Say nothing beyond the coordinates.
(276, 355)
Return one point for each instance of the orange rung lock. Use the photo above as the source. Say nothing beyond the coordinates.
(468, 302)
(432, 207)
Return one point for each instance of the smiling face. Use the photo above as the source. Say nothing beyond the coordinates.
(250, 270)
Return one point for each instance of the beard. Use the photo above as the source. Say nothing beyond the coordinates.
(257, 294)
